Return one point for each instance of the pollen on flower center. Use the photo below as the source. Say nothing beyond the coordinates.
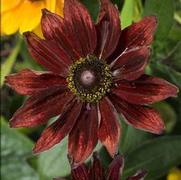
(89, 78)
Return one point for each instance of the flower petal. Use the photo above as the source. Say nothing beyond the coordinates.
(140, 117)
(8, 18)
(80, 37)
(28, 10)
(59, 129)
(54, 28)
(140, 33)
(108, 29)
(115, 168)
(28, 82)
(96, 171)
(80, 26)
(51, 5)
(59, 7)
(136, 35)
(130, 65)
(83, 136)
(48, 54)
(80, 173)
(145, 90)
(39, 108)
(138, 176)
(7, 5)
(109, 130)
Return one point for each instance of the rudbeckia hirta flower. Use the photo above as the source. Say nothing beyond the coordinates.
(95, 72)
(96, 171)
(25, 15)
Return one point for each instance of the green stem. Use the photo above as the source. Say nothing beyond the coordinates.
(9, 62)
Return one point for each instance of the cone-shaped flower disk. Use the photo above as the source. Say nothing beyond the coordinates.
(97, 172)
(95, 71)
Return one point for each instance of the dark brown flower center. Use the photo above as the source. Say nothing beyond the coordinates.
(90, 79)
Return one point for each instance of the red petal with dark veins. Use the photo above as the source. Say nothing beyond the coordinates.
(108, 29)
(130, 65)
(145, 90)
(140, 117)
(96, 171)
(39, 108)
(54, 28)
(83, 136)
(48, 54)
(80, 37)
(136, 35)
(80, 173)
(59, 129)
(140, 33)
(80, 26)
(28, 82)
(138, 176)
(115, 168)
(109, 130)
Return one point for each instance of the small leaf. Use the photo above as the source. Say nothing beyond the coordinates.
(164, 10)
(175, 33)
(132, 138)
(15, 149)
(127, 13)
(54, 163)
(156, 156)
(8, 63)
(93, 7)
(168, 115)
(172, 74)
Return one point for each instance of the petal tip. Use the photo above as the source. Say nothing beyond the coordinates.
(26, 33)
(176, 91)
(36, 149)
(160, 129)
(72, 163)
(154, 18)
(45, 11)
(6, 80)
(13, 124)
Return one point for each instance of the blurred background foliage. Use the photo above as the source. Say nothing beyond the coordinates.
(158, 154)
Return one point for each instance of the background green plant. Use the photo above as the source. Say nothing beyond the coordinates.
(157, 154)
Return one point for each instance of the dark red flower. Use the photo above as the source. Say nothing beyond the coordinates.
(97, 172)
(95, 71)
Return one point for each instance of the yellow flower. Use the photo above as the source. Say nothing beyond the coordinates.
(25, 15)
(175, 174)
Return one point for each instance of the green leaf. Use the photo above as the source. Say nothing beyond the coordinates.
(138, 10)
(131, 138)
(8, 64)
(168, 115)
(127, 13)
(175, 33)
(15, 149)
(173, 75)
(28, 61)
(164, 10)
(156, 156)
(131, 11)
(93, 7)
(54, 163)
